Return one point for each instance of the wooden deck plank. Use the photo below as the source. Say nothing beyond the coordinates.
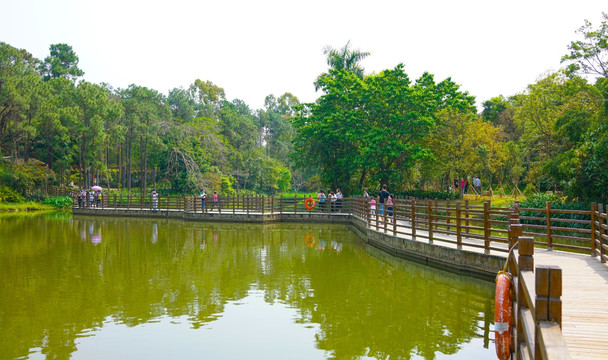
(584, 302)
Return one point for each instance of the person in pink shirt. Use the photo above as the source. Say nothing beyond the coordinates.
(215, 201)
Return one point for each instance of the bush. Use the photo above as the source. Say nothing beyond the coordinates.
(422, 194)
(62, 202)
(9, 195)
(35, 196)
(539, 201)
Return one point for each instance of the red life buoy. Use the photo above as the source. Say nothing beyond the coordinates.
(309, 203)
(309, 240)
(502, 315)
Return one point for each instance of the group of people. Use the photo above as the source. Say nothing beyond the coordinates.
(215, 201)
(384, 199)
(333, 198)
(89, 198)
(462, 185)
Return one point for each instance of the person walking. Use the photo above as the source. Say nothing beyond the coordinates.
(382, 197)
(339, 198)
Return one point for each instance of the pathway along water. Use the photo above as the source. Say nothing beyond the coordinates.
(88, 287)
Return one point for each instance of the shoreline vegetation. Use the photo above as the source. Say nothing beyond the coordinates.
(29, 206)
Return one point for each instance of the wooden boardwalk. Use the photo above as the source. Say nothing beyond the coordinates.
(584, 302)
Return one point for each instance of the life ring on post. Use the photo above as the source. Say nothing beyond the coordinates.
(309, 240)
(502, 315)
(309, 203)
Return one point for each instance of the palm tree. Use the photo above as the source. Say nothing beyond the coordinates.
(344, 59)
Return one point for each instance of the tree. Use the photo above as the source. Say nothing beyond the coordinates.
(62, 62)
(17, 84)
(371, 128)
(344, 59)
(146, 111)
(550, 115)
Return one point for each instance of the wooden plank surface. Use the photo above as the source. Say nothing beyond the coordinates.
(584, 302)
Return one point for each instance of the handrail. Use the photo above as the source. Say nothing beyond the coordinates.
(437, 219)
(536, 326)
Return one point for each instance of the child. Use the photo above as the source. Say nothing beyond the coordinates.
(372, 206)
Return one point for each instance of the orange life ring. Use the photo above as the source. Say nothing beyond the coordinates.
(309, 240)
(502, 316)
(309, 203)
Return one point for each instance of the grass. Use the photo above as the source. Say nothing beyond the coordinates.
(26, 206)
(497, 201)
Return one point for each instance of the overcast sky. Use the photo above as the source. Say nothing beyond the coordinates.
(256, 48)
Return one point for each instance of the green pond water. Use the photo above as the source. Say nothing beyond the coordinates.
(126, 288)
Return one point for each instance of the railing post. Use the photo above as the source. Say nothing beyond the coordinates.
(466, 214)
(435, 214)
(548, 303)
(447, 212)
(395, 217)
(526, 263)
(526, 253)
(368, 212)
(458, 228)
(593, 220)
(549, 240)
(602, 224)
(429, 211)
(413, 218)
(486, 226)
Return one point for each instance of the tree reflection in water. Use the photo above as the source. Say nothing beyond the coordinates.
(55, 288)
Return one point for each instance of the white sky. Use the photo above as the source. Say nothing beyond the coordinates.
(256, 48)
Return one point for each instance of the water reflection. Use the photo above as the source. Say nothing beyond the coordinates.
(358, 301)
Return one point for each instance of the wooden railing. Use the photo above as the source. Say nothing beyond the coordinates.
(537, 309)
(456, 222)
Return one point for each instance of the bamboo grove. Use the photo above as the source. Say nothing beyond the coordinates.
(362, 131)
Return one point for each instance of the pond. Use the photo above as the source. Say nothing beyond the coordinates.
(129, 288)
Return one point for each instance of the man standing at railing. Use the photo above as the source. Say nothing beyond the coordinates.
(382, 197)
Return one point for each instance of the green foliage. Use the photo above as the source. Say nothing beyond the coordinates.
(539, 201)
(23, 177)
(587, 56)
(424, 194)
(371, 129)
(62, 62)
(62, 202)
(530, 190)
(9, 195)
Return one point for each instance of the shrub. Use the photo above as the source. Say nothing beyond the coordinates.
(63, 202)
(9, 195)
(422, 194)
(539, 201)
